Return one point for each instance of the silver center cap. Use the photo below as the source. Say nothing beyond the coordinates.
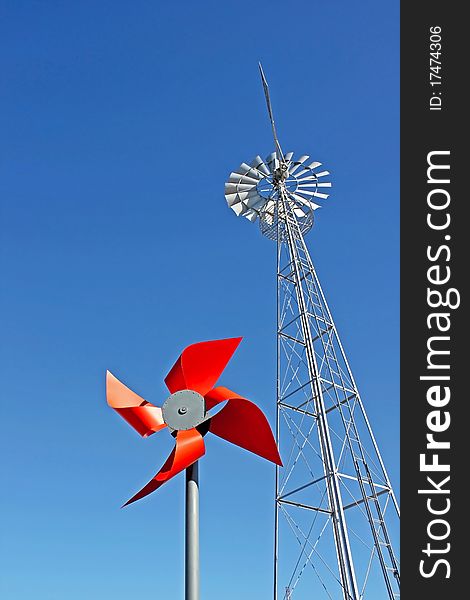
(184, 410)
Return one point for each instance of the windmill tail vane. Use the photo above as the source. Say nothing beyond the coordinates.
(186, 413)
(270, 111)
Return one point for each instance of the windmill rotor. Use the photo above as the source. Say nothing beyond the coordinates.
(253, 190)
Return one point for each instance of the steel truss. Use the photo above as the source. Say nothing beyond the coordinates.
(335, 509)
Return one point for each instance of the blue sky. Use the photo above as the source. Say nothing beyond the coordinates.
(119, 125)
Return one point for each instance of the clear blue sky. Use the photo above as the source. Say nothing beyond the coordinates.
(119, 123)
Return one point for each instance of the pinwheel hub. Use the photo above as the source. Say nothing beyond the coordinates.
(184, 410)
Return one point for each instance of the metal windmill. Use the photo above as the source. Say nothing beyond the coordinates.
(335, 509)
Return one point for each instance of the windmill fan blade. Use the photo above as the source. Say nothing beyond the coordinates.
(311, 175)
(232, 199)
(307, 178)
(140, 414)
(269, 212)
(297, 163)
(288, 156)
(308, 168)
(233, 188)
(243, 169)
(242, 423)
(237, 208)
(251, 215)
(304, 201)
(271, 157)
(320, 195)
(200, 365)
(302, 171)
(240, 197)
(255, 201)
(314, 165)
(189, 448)
(237, 178)
(258, 163)
(242, 187)
(310, 193)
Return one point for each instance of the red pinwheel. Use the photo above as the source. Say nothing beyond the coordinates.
(186, 411)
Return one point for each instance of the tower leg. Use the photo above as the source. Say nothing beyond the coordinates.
(192, 533)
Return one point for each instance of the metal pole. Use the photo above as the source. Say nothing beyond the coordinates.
(278, 399)
(192, 533)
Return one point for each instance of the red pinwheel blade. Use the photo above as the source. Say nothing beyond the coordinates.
(140, 414)
(242, 423)
(200, 365)
(189, 448)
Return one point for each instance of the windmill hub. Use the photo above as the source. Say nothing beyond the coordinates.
(184, 410)
(281, 173)
(268, 187)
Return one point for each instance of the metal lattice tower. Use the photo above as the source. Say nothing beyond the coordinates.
(335, 509)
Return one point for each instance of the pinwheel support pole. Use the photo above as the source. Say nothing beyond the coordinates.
(192, 533)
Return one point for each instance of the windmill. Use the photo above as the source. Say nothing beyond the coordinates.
(187, 415)
(335, 509)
